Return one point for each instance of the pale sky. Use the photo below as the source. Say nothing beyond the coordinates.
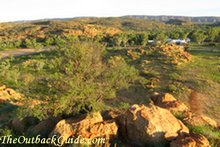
(12, 10)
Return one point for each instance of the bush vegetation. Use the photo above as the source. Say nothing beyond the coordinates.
(76, 78)
(111, 31)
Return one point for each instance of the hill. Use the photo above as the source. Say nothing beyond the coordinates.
(164, 18)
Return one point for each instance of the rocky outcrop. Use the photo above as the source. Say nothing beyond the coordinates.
(139, 125)
(168, 102)
(174, 53)
(199, 120)
(62, 129)
(107, 129)
(9, 95)
(191, 140)
(88, 127)
(142, 125)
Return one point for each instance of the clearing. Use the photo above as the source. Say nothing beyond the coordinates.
(19, 52)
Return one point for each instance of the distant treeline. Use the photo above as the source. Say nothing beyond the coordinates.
(110, 31)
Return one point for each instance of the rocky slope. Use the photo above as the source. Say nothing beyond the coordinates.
(154, 124)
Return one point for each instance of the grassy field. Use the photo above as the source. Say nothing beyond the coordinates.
(202, 75)
(198, 79)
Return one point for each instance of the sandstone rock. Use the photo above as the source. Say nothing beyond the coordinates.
(10, 91)
(201, 141)
(106, 129)
(8, 94)
(168, 98)
(199, 120)
(143, 125)
(62, 129)
(2, 87)
(169, 102)
(191, 140)
(87, 127)
(115, 113)
(183, 142)
(4, 94)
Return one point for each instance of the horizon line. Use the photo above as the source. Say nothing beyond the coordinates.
(54, 18)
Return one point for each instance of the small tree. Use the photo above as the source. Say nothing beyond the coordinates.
(161, 37)
(217, 38)
(79, 78)
(174, 34)
(49, 41)
(198, 36)
(141, 39)
(32, 43)
(212, 33)
(184, 34)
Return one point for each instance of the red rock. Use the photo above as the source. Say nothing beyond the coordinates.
(191, 140)
(170, 103)
(142, 125)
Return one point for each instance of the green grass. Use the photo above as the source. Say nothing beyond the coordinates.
(212, 134)
(203, 76)
(205, 68)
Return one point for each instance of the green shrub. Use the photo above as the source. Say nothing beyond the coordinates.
(9, 74)
(77, 79)
(10, 44)
(32, 43)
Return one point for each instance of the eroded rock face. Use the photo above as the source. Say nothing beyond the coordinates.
(142, 125)
(191, 140)
(168, 102)
(87, 127)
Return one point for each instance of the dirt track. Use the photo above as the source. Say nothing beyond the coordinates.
(19, 52)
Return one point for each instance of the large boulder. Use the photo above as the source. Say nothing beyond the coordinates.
(62, 129)
(170, 103)
(191, 140)
(142, 125)
(44, 127)
(88, 127)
